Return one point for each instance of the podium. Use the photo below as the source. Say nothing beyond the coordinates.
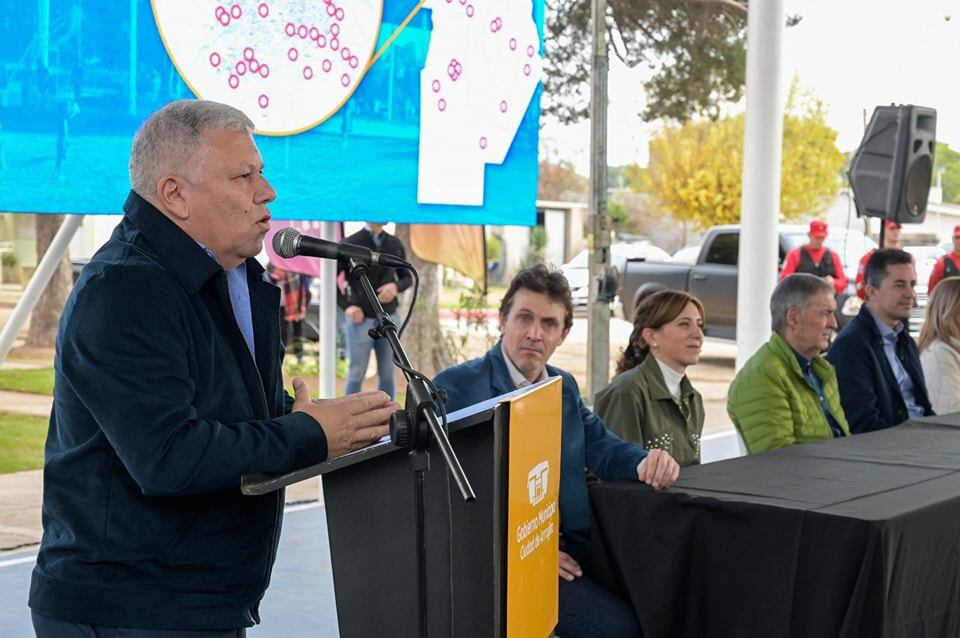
(491, 565)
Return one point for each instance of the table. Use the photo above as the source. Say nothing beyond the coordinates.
(851, 537)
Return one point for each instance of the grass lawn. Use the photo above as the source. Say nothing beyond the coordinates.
(36, 380)
(21, 442)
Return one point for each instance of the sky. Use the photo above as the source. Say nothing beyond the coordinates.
(854, 54)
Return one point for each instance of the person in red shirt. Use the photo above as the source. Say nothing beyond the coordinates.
(948, 265)
(891, 239)
(816, 259)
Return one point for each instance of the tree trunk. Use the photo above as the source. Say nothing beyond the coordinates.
(424, 340)
(46, 314)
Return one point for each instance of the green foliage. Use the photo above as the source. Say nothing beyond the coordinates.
(494, 248)
(948, 161)
(21, 442)
(35, 380)
(694, 48)
(472, 324)
(536, 250)
(619, 216)
(696, 169)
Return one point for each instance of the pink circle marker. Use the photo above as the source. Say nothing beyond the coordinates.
(496, 24)
(326, 65)
(293, 54)
(345, 53)
(241, 67)
(224, 18)
(513, 44)
(219, 11)
(264, 71)
(530, 51)
(503, 106)
(321, 41)
(483, 142)
(345, 79)
(236, 11)
(436, 86)
(263, 101)
(253, 66)
(334, 44)
(469, 10)
(248, 53)
(233, 81)
(307, 73)
(331, 10)
(302, 31)
(526, 69)
(442, 104)
(290, 29)
(263, 10)
(354, 62)
(334, 29)
(314, 33)
(340, 14)
(214, 59)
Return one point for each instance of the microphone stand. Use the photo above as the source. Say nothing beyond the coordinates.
(414, 427)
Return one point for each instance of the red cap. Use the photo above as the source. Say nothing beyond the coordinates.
(956, 231)
(818, 228)
(891, 224)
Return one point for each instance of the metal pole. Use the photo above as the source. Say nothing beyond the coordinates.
(762, 150)
(41, 277)
(598, 317)
(328, 318)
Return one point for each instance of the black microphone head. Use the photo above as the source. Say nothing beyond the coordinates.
(286, 242)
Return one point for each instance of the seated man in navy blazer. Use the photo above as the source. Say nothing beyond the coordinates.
(878, 368)
(535, 316)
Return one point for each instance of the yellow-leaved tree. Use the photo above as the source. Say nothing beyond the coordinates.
(696, 168)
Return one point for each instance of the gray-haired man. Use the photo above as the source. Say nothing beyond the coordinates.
(168, 389)
(787, 392)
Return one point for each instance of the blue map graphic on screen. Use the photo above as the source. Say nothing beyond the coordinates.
(409, 111)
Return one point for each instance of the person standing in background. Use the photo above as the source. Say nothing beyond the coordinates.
(948, 265)
(814, 258)
(361, 318)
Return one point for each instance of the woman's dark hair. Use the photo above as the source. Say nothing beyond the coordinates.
(653, 312)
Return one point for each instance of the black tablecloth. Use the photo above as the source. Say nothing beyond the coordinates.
(852, 537)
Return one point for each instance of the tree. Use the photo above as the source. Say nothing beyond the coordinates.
(948, 161)
(696, 169)
(45, 317)
(424, 341)
(695, 50)
(558, 180)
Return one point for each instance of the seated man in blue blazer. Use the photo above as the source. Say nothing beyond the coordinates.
(878, 368)
(535, 316)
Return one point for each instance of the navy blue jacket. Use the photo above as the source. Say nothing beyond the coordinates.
(586, 443)
(158, 410)
(869, 391)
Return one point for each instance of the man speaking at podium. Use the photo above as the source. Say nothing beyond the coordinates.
(536, 314)
(168, 389)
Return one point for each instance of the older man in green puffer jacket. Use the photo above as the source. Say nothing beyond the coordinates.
(787, 393)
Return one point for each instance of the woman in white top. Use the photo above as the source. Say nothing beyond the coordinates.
(940, 346)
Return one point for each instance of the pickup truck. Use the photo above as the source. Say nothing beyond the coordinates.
(713, 278)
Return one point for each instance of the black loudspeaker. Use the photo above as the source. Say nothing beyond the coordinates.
(891, 170)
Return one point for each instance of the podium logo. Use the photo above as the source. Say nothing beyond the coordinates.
(537, 481)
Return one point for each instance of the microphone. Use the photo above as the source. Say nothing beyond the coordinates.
(289, 242)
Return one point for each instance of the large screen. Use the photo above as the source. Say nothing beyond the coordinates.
(365, 109)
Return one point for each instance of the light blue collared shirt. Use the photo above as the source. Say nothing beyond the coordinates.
(239, 299)
(890, 336)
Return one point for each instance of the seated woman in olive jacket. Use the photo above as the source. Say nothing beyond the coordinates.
(651, 401)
